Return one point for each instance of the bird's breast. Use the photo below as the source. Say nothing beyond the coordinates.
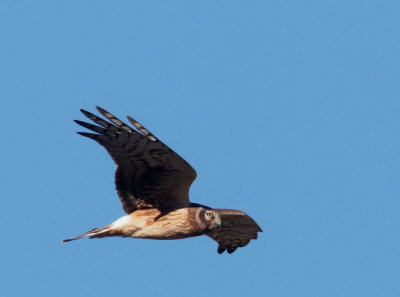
(173, 225)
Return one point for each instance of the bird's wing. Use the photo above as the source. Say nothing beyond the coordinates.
(237, 229)
(149, 174)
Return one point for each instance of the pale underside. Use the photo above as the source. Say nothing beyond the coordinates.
(146, 223)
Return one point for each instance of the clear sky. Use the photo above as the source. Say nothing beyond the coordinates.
(288, 110)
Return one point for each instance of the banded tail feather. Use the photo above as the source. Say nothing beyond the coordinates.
(94, 233)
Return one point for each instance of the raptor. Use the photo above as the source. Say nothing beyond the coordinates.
(152, 182)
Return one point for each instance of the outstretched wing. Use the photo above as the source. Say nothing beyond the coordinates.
(149, 174)
(237, 230)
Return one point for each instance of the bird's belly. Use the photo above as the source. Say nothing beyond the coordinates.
(173, 225)
(148, 223)
(165, 232)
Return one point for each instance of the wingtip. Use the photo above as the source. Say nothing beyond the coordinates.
(220, 250)
(86, 134)
(101, 110)
(229, 250)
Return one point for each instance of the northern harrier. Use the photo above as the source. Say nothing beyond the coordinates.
(153, 184)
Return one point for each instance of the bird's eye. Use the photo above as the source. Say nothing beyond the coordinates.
(209, 214)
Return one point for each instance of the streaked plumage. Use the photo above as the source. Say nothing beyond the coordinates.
(153, 184)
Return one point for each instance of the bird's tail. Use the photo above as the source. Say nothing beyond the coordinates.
(95, 233)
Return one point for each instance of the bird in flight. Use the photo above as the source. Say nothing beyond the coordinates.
(153, 184)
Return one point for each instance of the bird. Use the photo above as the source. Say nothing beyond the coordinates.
(152, 182)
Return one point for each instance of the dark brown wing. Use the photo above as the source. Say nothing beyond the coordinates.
(149, 174)
(237, 230)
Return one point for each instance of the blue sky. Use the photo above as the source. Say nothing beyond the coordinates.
(288, 110)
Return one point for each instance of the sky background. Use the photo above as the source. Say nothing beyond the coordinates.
(288, 110)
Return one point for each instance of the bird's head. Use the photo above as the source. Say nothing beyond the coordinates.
(211, 219)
